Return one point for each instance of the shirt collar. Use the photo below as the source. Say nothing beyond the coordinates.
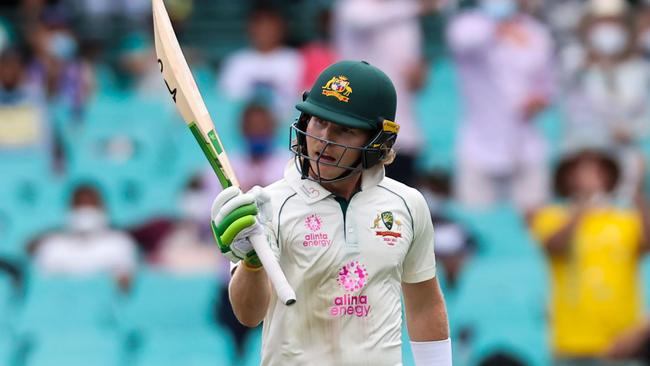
(311, 191)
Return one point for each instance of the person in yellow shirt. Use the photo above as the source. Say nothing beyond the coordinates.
(593, 247)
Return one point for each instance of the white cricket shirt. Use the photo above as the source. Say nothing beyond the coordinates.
(346, 265)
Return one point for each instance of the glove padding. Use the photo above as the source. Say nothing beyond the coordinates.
(237, 216)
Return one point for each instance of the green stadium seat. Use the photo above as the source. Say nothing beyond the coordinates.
(8, 302)
(188, 348)
(162, 301)
(407, 354)
(253, 348)
(76, 348)
(137, 180)
(438, 107)
(64, 303)
(522, 288)
(527, 344)
(7, 348)
(500, 231)
(25, 195)
(499, 298)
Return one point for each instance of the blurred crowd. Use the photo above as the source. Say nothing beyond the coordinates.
(580, 191)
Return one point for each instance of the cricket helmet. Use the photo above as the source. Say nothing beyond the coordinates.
(354, 94)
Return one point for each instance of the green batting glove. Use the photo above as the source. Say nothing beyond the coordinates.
(234, 219)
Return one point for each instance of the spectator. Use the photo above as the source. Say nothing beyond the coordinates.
(504, 61)
(593, 248)
(267, 70)
(608, 91)
(361, 33)
(188, 246)
(261, 163)
(55, 64)
(137, 66)
(22, 107)
(88, 244)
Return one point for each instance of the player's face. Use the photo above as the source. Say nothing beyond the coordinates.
(332, 154)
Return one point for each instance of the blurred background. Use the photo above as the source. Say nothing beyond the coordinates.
(524, 122)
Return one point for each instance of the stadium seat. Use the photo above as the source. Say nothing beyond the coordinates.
(407, 354)
(500, 231)
(188, 348)
(526, 344)
(25, 195)
(8, 302)
(499, 297)
(253, 348)
(76, 348)
(7, 348)
(64, 303)
(162, 301)
(521, 285)
(439, 111)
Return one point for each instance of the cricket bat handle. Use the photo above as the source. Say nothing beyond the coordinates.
(272, 267)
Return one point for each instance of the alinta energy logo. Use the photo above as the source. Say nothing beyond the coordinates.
(315, 238)
(352, 277)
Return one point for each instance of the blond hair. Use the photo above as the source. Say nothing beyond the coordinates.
(390, 157)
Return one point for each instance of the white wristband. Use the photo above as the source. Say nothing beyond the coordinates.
(434, 353)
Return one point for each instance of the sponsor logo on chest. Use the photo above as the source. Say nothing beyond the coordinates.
(316, 238)
(352, 277)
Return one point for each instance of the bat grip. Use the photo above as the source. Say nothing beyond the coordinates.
(272, 267)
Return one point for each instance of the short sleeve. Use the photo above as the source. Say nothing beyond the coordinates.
(420, 261)
(547, 222)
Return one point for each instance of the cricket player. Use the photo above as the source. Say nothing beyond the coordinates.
(350, 241)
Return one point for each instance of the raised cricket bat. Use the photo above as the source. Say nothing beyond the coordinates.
(184, 92)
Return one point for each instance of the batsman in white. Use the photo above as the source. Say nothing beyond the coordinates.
(350, 241)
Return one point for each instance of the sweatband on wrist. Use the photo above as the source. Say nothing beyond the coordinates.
(249, 267)
(433, 353)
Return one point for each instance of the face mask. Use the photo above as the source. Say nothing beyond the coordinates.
(259, 146)
(499, 9)
(608, 39)
(62, 46)
(195, 206)
(87, 219)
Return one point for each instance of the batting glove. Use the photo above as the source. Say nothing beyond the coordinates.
(235, 217)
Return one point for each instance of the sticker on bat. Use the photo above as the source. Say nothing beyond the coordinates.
(171, 92)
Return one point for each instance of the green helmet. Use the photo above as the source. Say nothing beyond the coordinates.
(354, 94)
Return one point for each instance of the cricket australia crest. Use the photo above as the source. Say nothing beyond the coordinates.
(384, 223)
(338, 87)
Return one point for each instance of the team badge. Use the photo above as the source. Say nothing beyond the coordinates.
(387, 219)
(388, 227)
(338, 87)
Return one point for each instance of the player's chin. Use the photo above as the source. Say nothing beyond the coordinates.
(326, 171)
